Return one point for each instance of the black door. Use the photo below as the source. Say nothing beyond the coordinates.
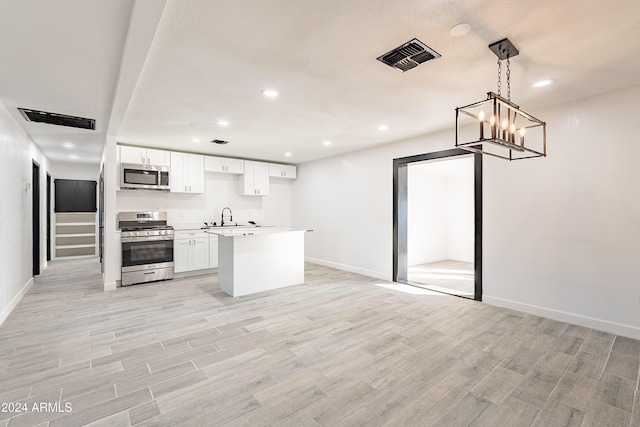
(35, 185)
(48, 217)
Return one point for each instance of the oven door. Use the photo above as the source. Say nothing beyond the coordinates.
(141, 252)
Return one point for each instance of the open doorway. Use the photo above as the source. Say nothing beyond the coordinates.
(438, 222)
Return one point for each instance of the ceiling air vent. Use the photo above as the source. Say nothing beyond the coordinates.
(219, 141)
(409, 55)
(57, 119)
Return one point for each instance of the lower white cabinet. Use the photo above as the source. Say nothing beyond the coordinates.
(213, 251)
(191, 251)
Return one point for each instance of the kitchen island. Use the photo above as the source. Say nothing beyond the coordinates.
(257, 259)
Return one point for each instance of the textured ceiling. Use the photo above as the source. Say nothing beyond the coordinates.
(209, 60)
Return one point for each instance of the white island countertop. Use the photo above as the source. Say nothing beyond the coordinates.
(249, 231)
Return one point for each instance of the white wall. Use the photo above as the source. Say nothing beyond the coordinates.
(440, 211)
(461, 217)
(75, 170)
(17, 153)
(111, 256)
(560, 233)
(427, 216)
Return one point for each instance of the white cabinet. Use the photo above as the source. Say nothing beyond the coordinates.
(191, 251)
(255, 181)
(144, 156)
(223, 165)
(187, 173)
(213, 251)
(282, 171)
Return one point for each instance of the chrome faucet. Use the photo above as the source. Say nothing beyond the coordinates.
(222, 216)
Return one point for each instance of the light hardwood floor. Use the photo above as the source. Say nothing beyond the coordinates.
(450, 276)
(341, 350)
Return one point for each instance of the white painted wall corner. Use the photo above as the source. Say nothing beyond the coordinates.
(14, 302)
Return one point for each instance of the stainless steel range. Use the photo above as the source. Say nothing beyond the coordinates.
(147, 247)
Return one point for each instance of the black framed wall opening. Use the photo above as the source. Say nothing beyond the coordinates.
(35, 215)
(467, 276)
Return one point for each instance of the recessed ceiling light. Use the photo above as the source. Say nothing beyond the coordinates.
(73, 156)
(383, 127)
(195, 140)
(543, 83)
(326, 143)
(223, 122)
(68, 145)
(459, 29)
(288, 154)
(270, 93)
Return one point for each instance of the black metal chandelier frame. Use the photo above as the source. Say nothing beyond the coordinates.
(506, 125)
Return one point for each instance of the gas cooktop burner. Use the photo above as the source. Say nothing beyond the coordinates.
(147, 227)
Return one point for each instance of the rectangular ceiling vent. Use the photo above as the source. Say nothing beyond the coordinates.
(409, 55)
(57, 119)
(219, 141)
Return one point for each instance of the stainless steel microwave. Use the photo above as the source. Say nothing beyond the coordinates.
(144, 177)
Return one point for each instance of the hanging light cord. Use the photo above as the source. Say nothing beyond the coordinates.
(508, 79)
(499, 76)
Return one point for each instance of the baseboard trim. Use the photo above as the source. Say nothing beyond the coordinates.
(350, 268)
(15, 301)
(110, 286)
(563, 316)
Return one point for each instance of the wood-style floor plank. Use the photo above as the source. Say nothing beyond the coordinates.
(340, 350)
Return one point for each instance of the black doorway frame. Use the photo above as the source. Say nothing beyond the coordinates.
(48, 217)
(35, 214)
(400, 211)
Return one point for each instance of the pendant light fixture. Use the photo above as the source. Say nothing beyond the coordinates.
(498, 127)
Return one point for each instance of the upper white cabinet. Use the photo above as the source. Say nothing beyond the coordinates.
(255, 181)
(144, 156)
(187, 173)
(282, 171)
(223, 164)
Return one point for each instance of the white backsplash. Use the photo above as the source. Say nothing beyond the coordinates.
(221, 190)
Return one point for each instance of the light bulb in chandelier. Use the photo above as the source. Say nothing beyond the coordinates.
(492, 122)
(481, 120)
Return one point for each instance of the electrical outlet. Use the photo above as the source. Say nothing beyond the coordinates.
(180, 214)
